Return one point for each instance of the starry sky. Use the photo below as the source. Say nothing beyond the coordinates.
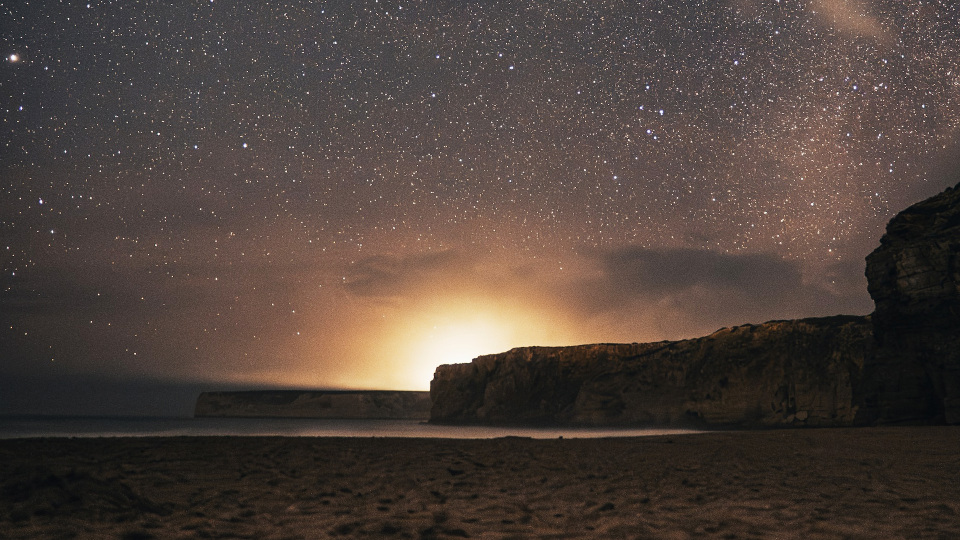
(345, 194)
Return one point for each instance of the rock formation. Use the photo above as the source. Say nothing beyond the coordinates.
(914, 279)
(780, 373)
(901, 366)
(301, 404)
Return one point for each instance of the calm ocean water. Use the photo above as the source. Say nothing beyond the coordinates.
(12, 427)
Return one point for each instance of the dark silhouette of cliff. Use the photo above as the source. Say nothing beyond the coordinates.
(914, 279)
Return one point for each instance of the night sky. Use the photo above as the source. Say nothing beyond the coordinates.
(346, 194)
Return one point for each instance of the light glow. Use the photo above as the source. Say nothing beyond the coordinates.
(456, 342)
(456, 331)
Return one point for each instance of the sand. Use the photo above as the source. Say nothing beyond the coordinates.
(840, 483)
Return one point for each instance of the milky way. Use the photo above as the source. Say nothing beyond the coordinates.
(296, 193)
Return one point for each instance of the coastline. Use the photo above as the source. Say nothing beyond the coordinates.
(812, 483)
(14, 427)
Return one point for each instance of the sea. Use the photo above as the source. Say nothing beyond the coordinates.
(16, 427)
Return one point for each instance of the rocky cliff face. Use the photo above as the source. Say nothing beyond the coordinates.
(901, 366)
(914, 279)
(331, 404)
(779, 373)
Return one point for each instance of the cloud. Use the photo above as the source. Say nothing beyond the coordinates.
(852, 17)
(627, 293)
(629, 272)
(386, 276)
(295, 326)
(639, 272)
(678, 293)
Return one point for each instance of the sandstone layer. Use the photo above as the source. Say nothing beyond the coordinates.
(914, 279)
(302, 404)
(801, 372)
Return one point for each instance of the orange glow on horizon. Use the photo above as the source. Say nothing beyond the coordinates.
(464, 331)
(455, 342)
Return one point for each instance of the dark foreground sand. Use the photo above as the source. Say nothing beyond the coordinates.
(839, 483)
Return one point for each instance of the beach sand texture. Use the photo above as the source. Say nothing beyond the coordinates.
(899, 482)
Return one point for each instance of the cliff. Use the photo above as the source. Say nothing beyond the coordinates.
(914, 279)
(302, 404)
(780, 373)
(901, 365)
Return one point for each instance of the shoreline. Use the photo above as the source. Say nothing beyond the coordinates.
(92, 427)
(889, 482)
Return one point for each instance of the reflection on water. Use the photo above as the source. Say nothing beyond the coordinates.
(20, 427)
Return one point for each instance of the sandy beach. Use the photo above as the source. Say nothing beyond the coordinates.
(899, 482)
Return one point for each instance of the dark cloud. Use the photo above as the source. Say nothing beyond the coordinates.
(650, 273)
(681, 293)
(387, 276)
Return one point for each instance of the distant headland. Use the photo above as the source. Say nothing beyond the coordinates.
(341, 404)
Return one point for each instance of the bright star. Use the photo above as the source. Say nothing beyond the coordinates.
(14, 58)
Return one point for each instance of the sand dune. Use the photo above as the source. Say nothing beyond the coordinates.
(838, 483)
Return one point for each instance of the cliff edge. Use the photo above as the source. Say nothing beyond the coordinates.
(799, 372)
